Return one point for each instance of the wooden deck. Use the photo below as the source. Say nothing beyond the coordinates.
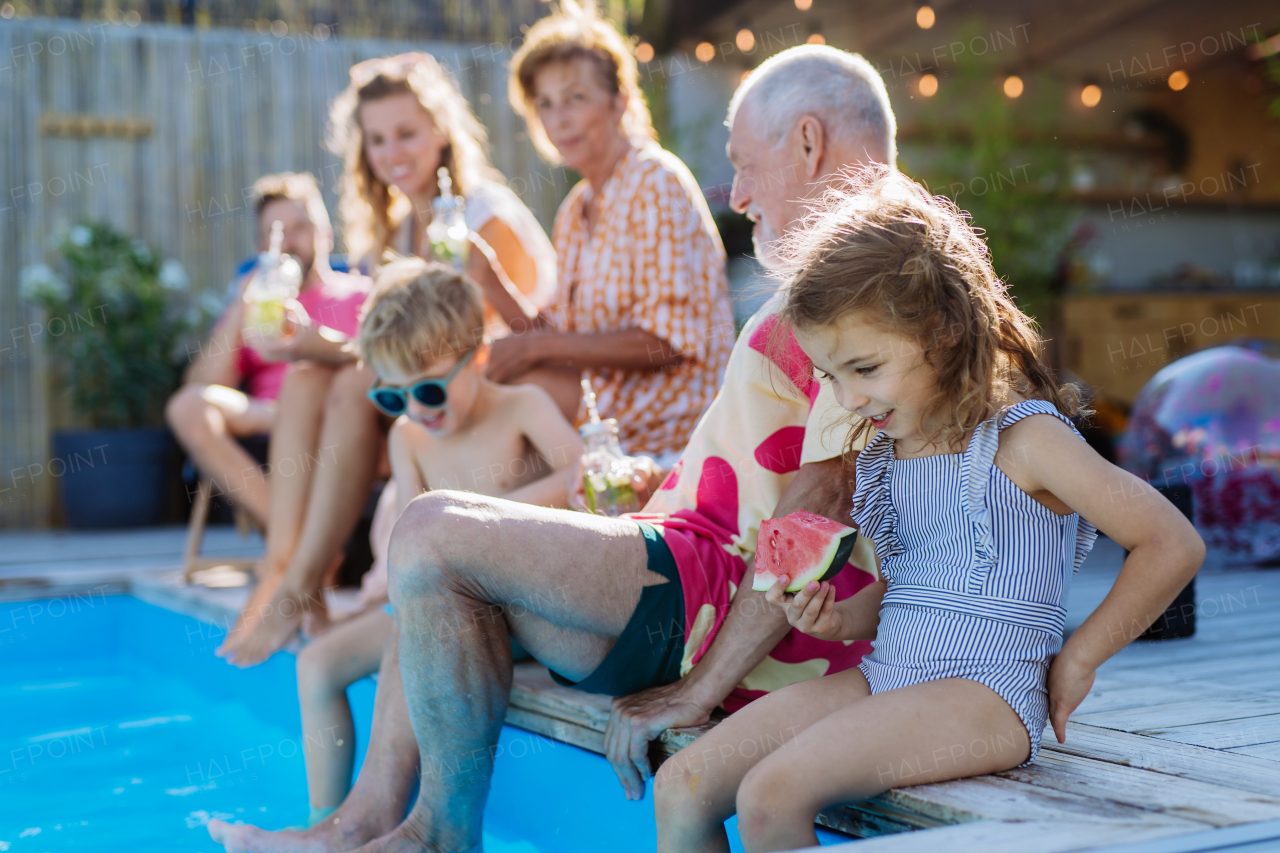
(1176, 740)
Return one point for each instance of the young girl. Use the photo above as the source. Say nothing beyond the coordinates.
(981, 500)
(423, 336)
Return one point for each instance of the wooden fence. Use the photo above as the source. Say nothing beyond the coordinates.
(161, 130)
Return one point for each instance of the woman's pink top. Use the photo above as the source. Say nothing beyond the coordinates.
(335, 303)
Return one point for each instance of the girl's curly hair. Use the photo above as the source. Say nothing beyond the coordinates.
(878, 244)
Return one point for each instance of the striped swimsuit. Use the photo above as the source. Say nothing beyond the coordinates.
(977, 570)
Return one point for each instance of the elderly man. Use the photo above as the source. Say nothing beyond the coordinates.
(657, 608)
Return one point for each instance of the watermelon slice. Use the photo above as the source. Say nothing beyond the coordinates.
(803, 546)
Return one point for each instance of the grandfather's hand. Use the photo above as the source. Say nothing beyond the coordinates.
(640, 718)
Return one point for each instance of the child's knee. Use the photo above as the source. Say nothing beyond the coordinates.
(315, 669)
(766, 795)
(676, 794)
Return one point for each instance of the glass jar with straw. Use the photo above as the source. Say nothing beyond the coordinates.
(607, 473)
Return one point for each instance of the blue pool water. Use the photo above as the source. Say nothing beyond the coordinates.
(120, 731)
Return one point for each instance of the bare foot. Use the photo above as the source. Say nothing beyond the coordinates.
(278, 621)
(408, 837)
(353, 824)
(252, 612)
(324, 837)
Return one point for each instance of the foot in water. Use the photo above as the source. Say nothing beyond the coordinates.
(251, 613)
(329, 836)
(408, 837)
(277, 623)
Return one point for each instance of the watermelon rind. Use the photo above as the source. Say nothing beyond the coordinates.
(841, 559)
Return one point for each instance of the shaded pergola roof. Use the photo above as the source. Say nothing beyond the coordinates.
(1067, 37)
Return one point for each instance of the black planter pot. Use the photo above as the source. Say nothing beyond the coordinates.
(113, 477)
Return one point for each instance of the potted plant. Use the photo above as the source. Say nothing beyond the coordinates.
(117, 321)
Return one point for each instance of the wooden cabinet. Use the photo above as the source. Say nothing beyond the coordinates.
(1116, 342)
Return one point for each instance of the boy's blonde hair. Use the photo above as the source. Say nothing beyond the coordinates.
(575, 30)
(880, 245)
(419, 312)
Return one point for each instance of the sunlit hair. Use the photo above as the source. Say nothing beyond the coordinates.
(371, 210)
(842, 90)
(418, 313)
(576, 31)
(879, 246)
(295, 186)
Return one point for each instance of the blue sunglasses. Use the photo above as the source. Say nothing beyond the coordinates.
(432, 393)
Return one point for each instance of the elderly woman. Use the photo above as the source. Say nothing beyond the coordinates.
(642, 307)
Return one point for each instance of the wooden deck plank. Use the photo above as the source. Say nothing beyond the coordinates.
(1267, 644)
(534, 691)
(1227, 734)
(991, 836)
(1144, 789)
(560, 730)
(995, 798)
(1269, 751)
(1155, 715)
(1216, 667)
(1106, 699)
(1246, 680)
(1230, 770)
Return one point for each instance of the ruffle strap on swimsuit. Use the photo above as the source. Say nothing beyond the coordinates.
(873, 510)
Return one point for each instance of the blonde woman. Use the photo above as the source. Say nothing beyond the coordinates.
(400, 120)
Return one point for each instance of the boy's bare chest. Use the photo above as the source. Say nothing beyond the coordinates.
(489, 460)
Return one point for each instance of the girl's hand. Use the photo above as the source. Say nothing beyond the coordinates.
(812, 610)
(1069, 683)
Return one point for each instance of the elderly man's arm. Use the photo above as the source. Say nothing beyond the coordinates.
(750, 631)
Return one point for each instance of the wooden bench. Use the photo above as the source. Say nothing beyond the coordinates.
(1102, 787)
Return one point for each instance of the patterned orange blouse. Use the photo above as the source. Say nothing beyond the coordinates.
(654, 261)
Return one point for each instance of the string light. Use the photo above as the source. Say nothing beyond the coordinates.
(1013, 86)
(1091, 95)
(745, 40)
(1178, 80)
(705, 51)
(804, 5)
(644, 52)
(815, 38)
(928, 85)
(925, 17)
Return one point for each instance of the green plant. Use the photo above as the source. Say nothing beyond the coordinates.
(998, 158)
(116, 320)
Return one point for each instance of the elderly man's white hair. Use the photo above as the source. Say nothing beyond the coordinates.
(842, 90)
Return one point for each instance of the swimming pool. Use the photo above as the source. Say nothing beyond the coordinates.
(120, 730)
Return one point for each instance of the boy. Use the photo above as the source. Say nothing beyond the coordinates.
(423, 336)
